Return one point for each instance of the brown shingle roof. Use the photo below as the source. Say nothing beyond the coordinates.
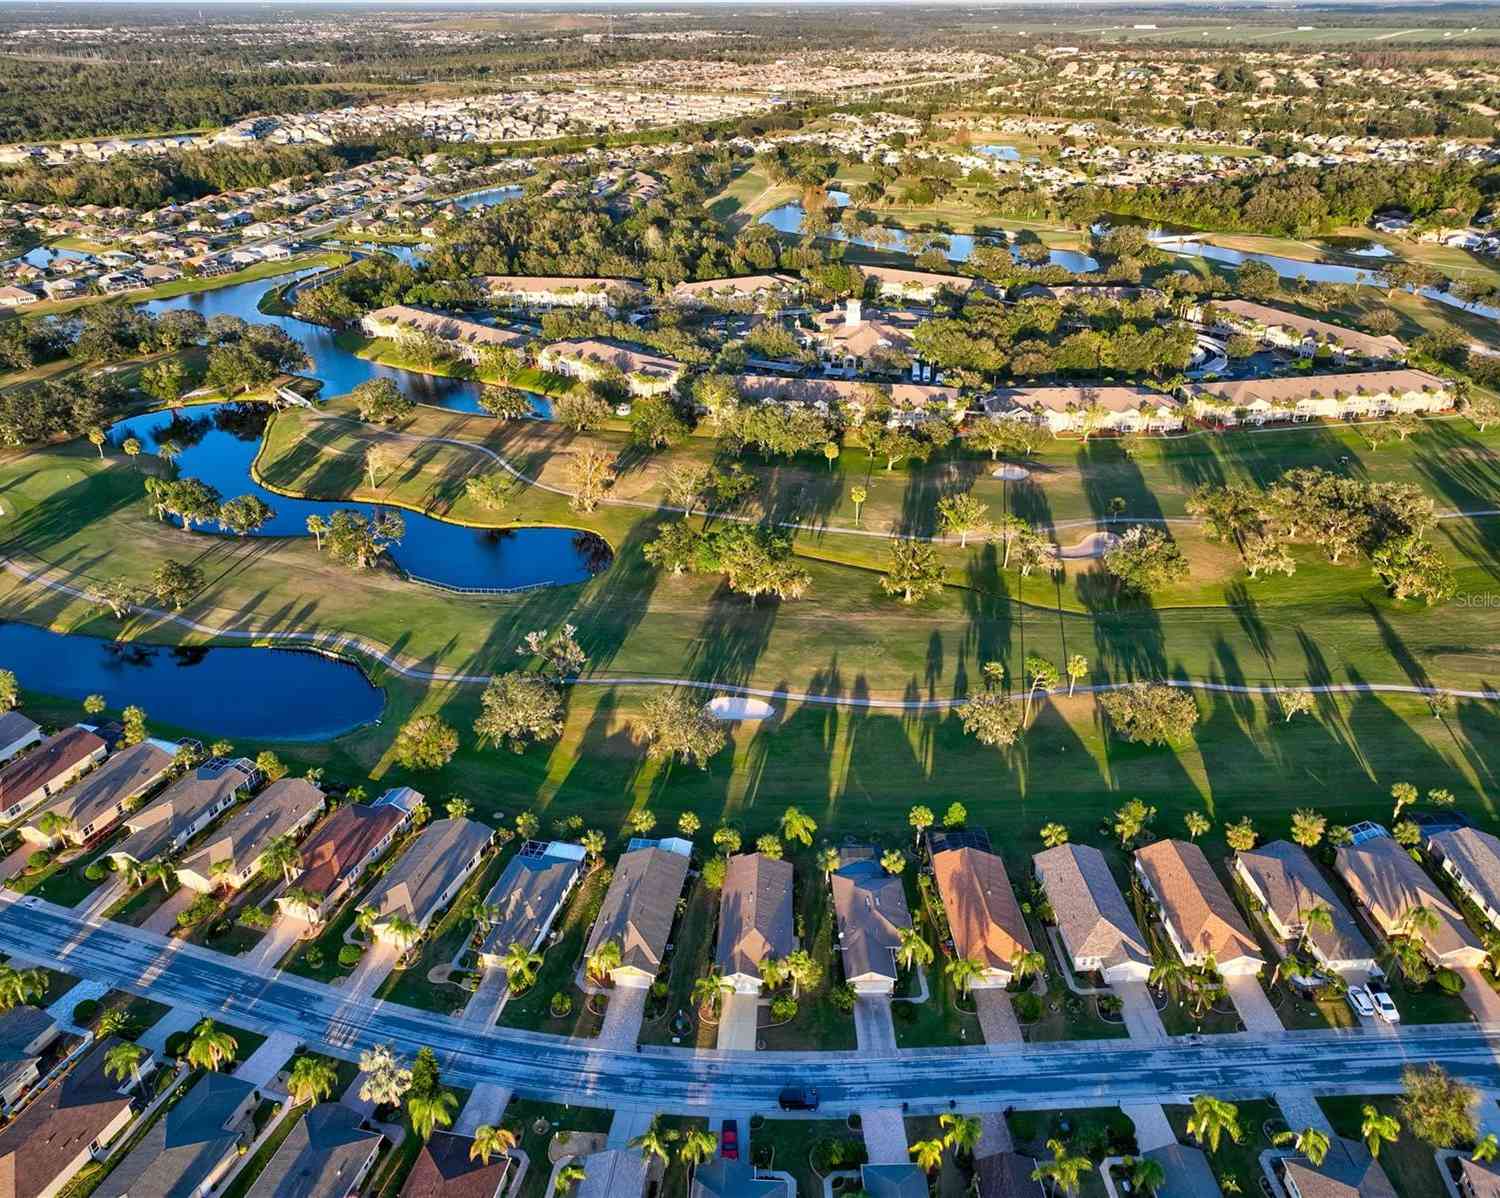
(1064, 399)
(55, 755)
(1293, 885)
(341, 841)
(443, 1169)
(1330, 386)
(640, 906)
(983, 914)
(128, 772)
(1365, 343)
(755, 913)
(1390, 885)
(1347, 1171)
(1092, 915)
(1476, 856)
(1194, 901)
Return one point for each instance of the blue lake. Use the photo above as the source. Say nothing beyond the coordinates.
(269, 694)
(1000, 153)
(488, 198)
(218, 442)
(41, 256)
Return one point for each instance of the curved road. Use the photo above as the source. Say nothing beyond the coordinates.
(562, 1069)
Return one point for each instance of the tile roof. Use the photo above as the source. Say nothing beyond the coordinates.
(1383, 877)
(871, 909)
(1064, 399)
(1483, 1180)
(755, 913)
(536, 284)
(983, 914)
(1195, 902)
(1293, 885)
(641, 906)
(1331, 386)
(445, 327)
(736, 285)
(416, 880)
(342, 841)
(1476, 856)
(247, 832)
(612, 353)
(894, 276)
(320, 1156)
(1262, 314)
(444, 1169)
(59, 1125)
(1092, 915)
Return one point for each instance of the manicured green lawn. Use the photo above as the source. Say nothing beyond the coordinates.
(1238, 1160)
(532, 1009)
(526, 1116)
(1408, 1162)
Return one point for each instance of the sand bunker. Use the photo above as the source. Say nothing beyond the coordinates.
(733, 707)
(1096, 544)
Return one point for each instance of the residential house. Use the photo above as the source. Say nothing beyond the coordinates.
(1287, 884)
(1389, 886)
(16, 297)
(763, 290)
(528, 897)
(444, 1168)
(1188, 1173)
(1075, 293)
(612, 1173)
(903, 1180)
(327, 1154)
(1477, 1179)
(589, 358)
(63, 1129)
(232, 856)
(870, 905)
(25, 1033)
(1472, 859)
(1007, 1175)
(98, 801)
(337, 852)
(467, 338)
(639, 910)
(17, 733)
(851, 343)
(1089, 409)
(563, 291)
(48, 771)
(1093, 919)
(1300, 333)
(755, 918)
(189, 1148)
(910, 285)
(1196, 910)
(984, 919)
(1304, 397)
(184, 809)
(427, 875)
(828, 395)
(720, 1178)
(1347, 1170)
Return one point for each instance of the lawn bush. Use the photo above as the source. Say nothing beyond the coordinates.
(94, 871)
(1449, 981)
(1028, 1007)
(86, 1012)
(349, 956)
(177, 1044)
(39, 859)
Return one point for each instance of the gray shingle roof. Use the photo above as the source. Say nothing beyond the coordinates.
(419, 876)
(1293, 885)
(1476, 856)
(182, 1148)
(320, 1156)
(154, 826)
(640, 906)
(1091, 912)
(247, 832)
(1383, 877)
(1347, 1171)
(525, 895)
(128, 772)
(755, 913)
(871, 909)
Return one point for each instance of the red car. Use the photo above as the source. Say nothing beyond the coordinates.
(729, 1140)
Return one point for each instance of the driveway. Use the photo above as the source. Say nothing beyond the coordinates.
(873, 1028)
(997, 1016)
(885, 1136)
(104, 897)
(739, 1020)
(164, 919)
(488, 1000)
(487, 1103)
(178, 1019)
(1253, 1004)
(1151, 1127)
(622, 1017)
(13, 864)
(884, 1128)
(1142, 1019)
(373, 968)
(276, 943)
(262, 1066)
(1481, 996)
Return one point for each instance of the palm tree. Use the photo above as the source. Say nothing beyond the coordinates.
(402, 931)
(963, 972)
(961, 1133)
(492, 1141)
(210, 1047)
(458, 808)
(653, 1141)
(114, 1022)
(1419, 922)
(593, 842)
(1028, 964)
(1310, 1142)
(1168, 974)
(772, 972)
(520, 964)
(1063, 1170)
(1054, 835)
(312, 1078)
(124, 1060)
(1212, 1119)
(696, 1147)
(828, 860)
(1197, 824)
(54, 825)
(708, 991)
(798, 826)
(161, 871)
(1147, 1174)
(1378, 1128)
(800, 968)
(913, 948)
(928, 1154)
(1487, 1149)
(299, 896)
(365, 919)
(281, 856)
(1315, 919)
(568, 1177)
(428, 1112)
(20, 986)
(604, 960)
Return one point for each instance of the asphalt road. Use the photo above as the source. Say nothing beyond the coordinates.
(561, 1069)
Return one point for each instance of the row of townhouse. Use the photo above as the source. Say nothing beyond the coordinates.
(1301, 334)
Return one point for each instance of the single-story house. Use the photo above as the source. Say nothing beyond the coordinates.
(903, 1180)
(17, 297)
(1072, 409)
(184, 809)
(445, 1168)
(1472, 859)
(829, 394)
(327, 1154)
(25, 1033)
(186, 1151)
(467, 338)
(720, 1178)
(1346, 1171)
(1188, 1173)
(1196, 910)
(563, 291)
(870, 905)
(1303, 334)
(589, 357)
(854, 343)
(528, 896)
(639, 910)
(1389, 886)
(915, 284)
(775, 286)
(1093, 919)
(1007, 1175)
(612, 1173)
(17, 732)
(755, 918)
(98, 801)
(1288, 884)
(1477, 1179)
(232, 856)
(1327, 396)
(337, 852)
(55, 765)
(984, 918)
(428, 874)
(64, 1128)
(1076, 293)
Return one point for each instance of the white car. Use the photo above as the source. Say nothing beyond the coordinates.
(1384, 1007)
(1359, 999)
